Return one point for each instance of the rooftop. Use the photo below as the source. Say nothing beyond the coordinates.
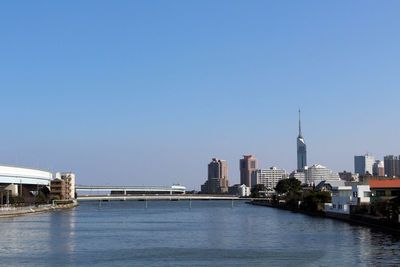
(386, 183)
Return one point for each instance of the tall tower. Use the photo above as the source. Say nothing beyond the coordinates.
(301, 149)
(248, 164)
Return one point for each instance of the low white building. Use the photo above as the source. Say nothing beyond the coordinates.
(345, 196)
(244, 191)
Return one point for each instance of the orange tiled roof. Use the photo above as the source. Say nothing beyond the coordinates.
(387, 183)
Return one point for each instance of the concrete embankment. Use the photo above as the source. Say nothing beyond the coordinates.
(363, 220)
(19, 211)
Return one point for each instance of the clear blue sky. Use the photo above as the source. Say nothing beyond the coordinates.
(147, 92)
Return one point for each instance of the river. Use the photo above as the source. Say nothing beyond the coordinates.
(170, 233)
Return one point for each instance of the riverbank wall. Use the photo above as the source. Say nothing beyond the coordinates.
(19, 211)
(356, 219)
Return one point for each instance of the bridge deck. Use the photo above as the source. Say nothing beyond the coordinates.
(159, 197)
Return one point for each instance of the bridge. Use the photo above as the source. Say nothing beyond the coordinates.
(158, 197)
(127, 190)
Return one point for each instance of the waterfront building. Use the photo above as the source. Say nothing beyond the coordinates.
(21, 181)
(59, 189)
(217, 181)
(363, 164)
(70, 178)
(391, 166)
(63, 187)
(301, 149)
(268, 177)
(318, 173)
(385, 188)
(247, 165)
(378, 169)
(345, 196)
(239, 190)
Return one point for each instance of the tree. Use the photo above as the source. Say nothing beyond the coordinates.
(316, 198)
(255, 191)
(285, 186)
(41, 198)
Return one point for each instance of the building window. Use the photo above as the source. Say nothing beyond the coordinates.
(396, 193)
(380, 193)
(355, 194)
(340, 206)
(253, 164)
(334, 206)
(367, 194)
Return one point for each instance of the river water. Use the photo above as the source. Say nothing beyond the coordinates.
(170, 233)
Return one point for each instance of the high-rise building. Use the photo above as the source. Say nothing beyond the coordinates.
(391, 165)
(379, 168)
(318, 173)
(301, 149)
(363, 164)
(247, 165)
(218, 181)
(269, 178)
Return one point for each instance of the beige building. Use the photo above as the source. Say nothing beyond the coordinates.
(218, 181)
(247, 165)
(63, 186)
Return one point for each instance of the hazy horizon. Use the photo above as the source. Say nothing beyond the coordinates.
(147, 93)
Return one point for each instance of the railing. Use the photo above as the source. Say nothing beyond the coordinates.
(11, 208)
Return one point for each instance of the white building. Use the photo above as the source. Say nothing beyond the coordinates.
(269, 178)
(299, 175)
(345, 196)
(318, 173)
(244, 191)
(363, 164)
(11, 178)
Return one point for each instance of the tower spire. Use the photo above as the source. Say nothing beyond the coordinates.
(300, 124)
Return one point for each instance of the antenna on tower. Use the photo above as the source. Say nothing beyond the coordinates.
(300, 123)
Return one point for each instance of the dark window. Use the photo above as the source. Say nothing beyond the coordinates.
(380, 193)
(253, 164)
(396, 193)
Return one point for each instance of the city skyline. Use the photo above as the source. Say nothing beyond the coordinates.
(132, 93)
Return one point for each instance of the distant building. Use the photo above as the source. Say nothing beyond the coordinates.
(318, 173)
(239, 190)
(299, 175)
(301, 149)
(379, 168)
(363, 164)
(391, 165)
(269, 177)
(218, 181)
(346, 176)
(247, 165)
(63, 187)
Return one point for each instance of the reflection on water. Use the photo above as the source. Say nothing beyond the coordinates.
(169, 233)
